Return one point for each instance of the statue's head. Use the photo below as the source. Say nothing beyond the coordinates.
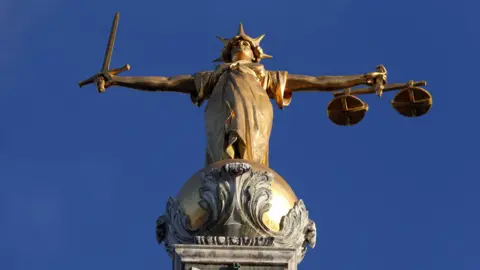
(242, 47)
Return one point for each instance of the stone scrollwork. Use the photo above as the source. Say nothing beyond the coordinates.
(236, 194)
(235, 190)
(216, 196)
(255, 199)
(311, 234)
(173, 227)
(161, 230)
(296, 230)
(237, 168)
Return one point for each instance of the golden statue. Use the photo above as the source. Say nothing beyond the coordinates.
(239, 113)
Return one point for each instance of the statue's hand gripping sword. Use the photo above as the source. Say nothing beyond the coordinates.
(105, 73)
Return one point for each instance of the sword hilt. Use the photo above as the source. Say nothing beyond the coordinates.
(99, 78)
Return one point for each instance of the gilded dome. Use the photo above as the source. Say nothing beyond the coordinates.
(282, 199)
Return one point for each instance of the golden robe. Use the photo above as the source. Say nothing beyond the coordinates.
(239, 114)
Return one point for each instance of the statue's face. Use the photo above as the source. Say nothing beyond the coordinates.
(241, 50)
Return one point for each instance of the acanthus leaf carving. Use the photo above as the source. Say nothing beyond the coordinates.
(212, 195)
(311, 234)
(255, 199)
(174, 227)
(293, 229)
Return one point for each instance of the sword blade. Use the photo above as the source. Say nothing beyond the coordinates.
(111, 41)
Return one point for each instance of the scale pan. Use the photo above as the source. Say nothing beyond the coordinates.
(346, 110)
(412, 102)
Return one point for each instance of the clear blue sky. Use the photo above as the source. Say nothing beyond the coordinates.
(84, 176)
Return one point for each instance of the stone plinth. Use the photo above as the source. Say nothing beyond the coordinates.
(201, 257)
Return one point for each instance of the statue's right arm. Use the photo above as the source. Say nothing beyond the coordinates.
(180, 84)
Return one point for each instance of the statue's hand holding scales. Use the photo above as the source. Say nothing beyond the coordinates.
(239, 92)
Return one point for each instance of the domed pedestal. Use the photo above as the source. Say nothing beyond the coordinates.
(237, 205)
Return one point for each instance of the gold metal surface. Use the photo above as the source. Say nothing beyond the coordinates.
(239, 114)
(412, 102)
(380, 84)
(386, 88)
(346, 110)
(283, 198)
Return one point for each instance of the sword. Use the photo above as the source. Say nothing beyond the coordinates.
(105, 73)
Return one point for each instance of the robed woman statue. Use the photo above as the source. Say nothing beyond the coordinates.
(239, 113)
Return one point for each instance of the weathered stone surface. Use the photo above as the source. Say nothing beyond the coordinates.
(236, 197)
(223, 257)
(228, 267)
(234, 241)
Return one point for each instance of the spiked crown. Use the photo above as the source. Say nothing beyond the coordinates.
(254, 44)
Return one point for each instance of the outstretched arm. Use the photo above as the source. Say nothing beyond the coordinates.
(181, 84)
(329, 83)
(198, 85)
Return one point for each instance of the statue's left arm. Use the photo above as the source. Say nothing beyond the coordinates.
(280, 85)
(296, 83)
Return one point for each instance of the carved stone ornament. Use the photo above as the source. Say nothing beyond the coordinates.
(236, 198)
(173, 227)
(234, 241)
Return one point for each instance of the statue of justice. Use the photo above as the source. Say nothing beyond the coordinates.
(239, 111)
